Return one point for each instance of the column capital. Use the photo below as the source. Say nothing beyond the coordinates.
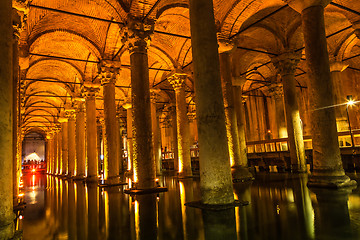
(177, 80)
(62, 119)
(19, 21)
(338, 66)
(154, 94)
(90, 89)
(300, 5)
(137, 34)
(109, 70)
(286, 63)
(191, 116)
(127, 105)
(50, 134)
(239, 81)
(225, 45)
(276, 90)
(70, 113)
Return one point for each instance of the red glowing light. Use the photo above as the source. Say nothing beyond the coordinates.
(33, 170)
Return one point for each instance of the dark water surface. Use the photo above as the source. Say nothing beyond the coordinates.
(281, 207)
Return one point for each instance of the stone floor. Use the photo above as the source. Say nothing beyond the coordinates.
(280, 207)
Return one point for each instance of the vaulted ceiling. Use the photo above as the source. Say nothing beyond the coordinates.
(64, 40)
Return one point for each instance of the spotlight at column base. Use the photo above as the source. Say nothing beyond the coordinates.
(134, 191)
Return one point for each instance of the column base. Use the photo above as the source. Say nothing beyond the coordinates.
(7, 230)
(216, 207)
(295, 168)
(134, 191)
(241, 174)
(330, 179)
(185, 175)
(79, 177)
(92, 179)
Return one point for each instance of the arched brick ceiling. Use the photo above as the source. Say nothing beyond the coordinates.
(73, 37)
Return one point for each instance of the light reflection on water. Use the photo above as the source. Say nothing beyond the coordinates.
(281, 207)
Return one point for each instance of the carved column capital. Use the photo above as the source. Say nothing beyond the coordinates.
(70, 113)
(276, 90)
(138, 35)
(191, 116)
(225, 45)
(154, 94)
(286, 63)
(127, 105)
(300, 5)
(109, 70)
(90, 89)
(20, 16)
(177, 80)
(338, 66)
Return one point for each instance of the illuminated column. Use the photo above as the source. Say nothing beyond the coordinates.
(286, 66)
(215, 173)
(127, 106)
(336, 69)
(59, 150)
(90, 91)
(50, 150)
(174, 140)
(109, 73)
(121, 127)
(239, 169)
(240, 117)
(327, 165)
(156, 130)
(6, 143)
(70, 113)
(56, 149)
(65, 144)
(80, 138)
(182, 123)
(277, 93)
(138, 39)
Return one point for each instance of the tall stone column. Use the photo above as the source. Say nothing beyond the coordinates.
(6, 142)
(286, 66)
(70, 114)
(59, 150)
(183, 132)
(129, 141)
(55, 162)
(336, 69)
(121, 127)
(156, 130)
(215, 173)
(174, 140)
(109, 73)
(240, 171)
(80, 139)
(277, 94)
(327, 166)
(64, 145)
(50, 151)
(90, 91)
(138, 39)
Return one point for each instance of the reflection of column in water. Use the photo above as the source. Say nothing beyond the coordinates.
(93, 211)
(112, 212)
(189, 221)
(64, 208)
(81, 211)
(242, 193)
(219, 224)
(304, 208)
(72, 210)
(145, 217)
(332, 219)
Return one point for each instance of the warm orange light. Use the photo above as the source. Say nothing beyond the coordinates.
(21, 194)
(33, 170)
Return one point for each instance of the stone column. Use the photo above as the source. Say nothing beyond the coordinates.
(59, 150)
(327, 166)
(215, 173)
(174, 140)
(156, 130)
(80, 138)
(109, 73)
(183, 132)
(286, 66)
(121, 127)
(55, 162)
(240, 172)
(336, 69)
(70, 113)
(90, 91)
(138, 39)
(277, 94)
(64, 145)
(127, 106)
(50, 150)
